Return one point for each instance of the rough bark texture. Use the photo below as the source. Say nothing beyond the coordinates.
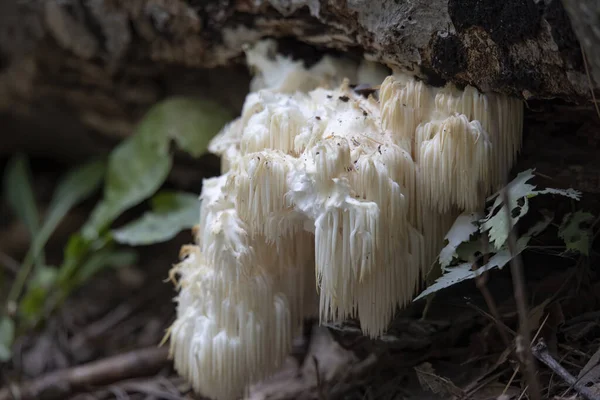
(76, 75)
(585, 17)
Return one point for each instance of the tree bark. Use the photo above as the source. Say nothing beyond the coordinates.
(76, 75)
(585, 15)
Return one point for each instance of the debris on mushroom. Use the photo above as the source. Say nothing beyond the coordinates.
(331, 204)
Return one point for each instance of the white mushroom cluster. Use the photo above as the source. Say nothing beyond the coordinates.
(331, 204)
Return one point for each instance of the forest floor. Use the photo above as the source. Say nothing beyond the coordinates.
(103, 342)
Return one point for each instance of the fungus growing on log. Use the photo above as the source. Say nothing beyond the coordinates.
(331, 204)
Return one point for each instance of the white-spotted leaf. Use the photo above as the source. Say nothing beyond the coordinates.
(519, 192)
(464, 271)
(462, 229)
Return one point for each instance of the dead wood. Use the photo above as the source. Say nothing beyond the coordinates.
(540, 351)
(77, 75)
(61, 384)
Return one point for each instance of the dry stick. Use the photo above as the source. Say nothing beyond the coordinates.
(60, 384)
(540, 351)
(520, 298)
(517, 369)
(119, 314)
(149, 389)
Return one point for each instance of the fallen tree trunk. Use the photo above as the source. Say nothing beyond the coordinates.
(75, 69)
(75, 75)
(512, 46)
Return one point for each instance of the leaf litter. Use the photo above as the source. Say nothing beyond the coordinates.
(454, 352)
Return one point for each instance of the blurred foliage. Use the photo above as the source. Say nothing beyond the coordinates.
(134, 171)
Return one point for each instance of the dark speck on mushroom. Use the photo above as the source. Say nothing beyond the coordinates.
(329, 96)
(364, 90)
(318, 118)
(344, 98)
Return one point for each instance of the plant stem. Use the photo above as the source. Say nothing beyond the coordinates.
(19, 284)
(523, 345)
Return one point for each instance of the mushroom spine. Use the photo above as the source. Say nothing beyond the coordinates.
(331, 204)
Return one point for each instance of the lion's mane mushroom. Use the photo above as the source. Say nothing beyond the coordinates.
(330, 203)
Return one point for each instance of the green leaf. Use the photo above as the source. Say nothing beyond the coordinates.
(137, 168)
(139, 165)
(72, 189)
(576, 232)
(519, 193)
(462, 229)
(76, 253)
(172, 213)
(464, 271)
(105, 258)
(7, 336)
(76, 186)
(570, 193)
(469, 251)
(32, 304)
(44, 277)
(38, 287)
(19, 193)
(192, 122)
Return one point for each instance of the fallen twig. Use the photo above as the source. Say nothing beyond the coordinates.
(60, 384)
(540, 351)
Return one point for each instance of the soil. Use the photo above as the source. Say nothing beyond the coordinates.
(458, 349)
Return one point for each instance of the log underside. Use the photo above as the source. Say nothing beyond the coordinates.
(76, 75)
